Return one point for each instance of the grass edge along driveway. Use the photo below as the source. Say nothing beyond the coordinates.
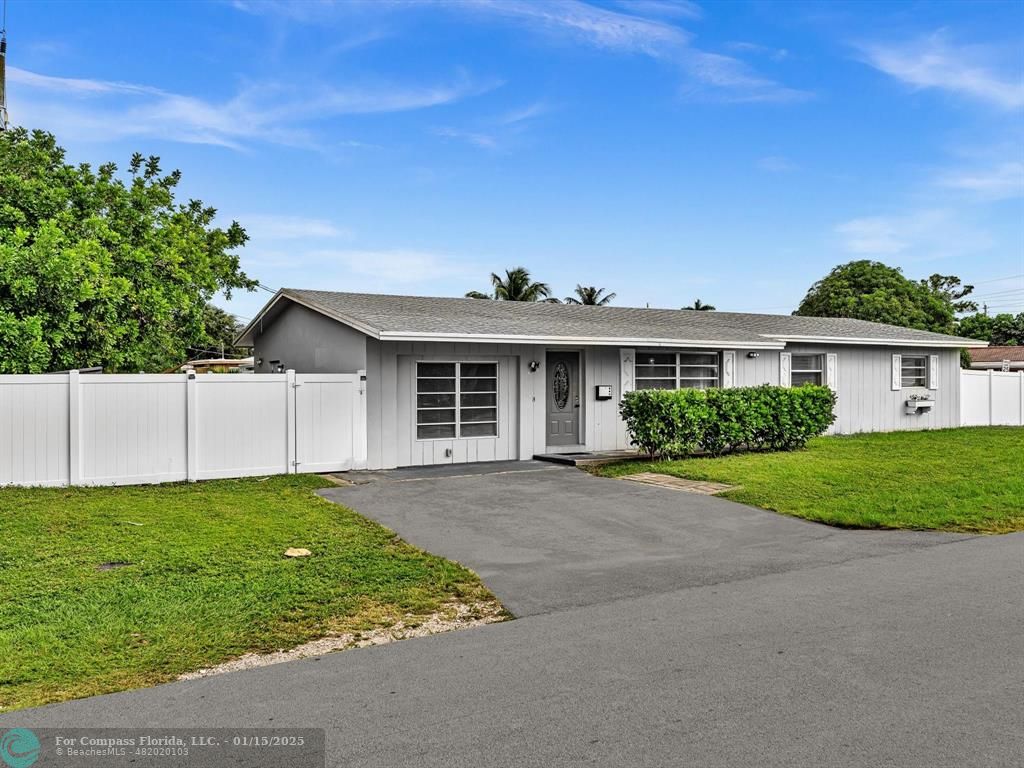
(968, 479)
(205, 581)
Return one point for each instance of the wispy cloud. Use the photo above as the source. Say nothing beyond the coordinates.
(709, 73)
(679, 9)
(775, 164)
(935, 62)
(268, 112)
(775, 54)
(916, 236)
(272, 227)
(997, 182)
(485, 140)
(391, 268)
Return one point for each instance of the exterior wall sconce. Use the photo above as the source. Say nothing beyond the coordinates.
(534, 365)
(752, 355)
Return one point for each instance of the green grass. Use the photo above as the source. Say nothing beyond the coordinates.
(207, 581)
(949, 480)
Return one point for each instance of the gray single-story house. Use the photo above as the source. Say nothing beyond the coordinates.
(462, 380)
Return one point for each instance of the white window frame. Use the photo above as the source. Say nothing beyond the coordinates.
(923, 368)
(820, 370)
(679, 367)
(458, 400)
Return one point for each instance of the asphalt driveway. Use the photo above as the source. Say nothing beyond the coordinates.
(545, 537)
(657, 629)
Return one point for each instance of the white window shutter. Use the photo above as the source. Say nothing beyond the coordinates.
(785, 368)
(933, 371)
(832, 371)
(627, 361)
(728, 369)
(897, 372)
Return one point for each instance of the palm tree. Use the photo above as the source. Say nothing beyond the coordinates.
(700, 306)
(588, 294)
(516, 285)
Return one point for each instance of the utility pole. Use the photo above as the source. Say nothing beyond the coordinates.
(3, 69)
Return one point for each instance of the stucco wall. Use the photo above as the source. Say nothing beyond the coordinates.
(309, 342)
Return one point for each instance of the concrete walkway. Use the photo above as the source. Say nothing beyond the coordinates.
(659, 629)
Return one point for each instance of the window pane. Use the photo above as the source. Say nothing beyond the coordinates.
(479, 385)
(437, 370)
(436, 401)
(479, 369)
(697, 383)
(478, 414)
(655, 371)
(444, 415)
(698, 372)
(479, 430)
(435, 385)
(801, 377)
(656, 358)
(433, 431)
(470, 400)
(698, 359)
(806, 363)
(655, 383)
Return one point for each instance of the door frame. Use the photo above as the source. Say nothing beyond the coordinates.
(581, 375)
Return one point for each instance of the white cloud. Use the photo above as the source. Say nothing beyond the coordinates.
(393, 267)
(775, 54)
(266, 227)
(998, 182)
(917, 236)
(933, 62)
(666, 8)
(98, 110)
(775, 164)
(484, 140)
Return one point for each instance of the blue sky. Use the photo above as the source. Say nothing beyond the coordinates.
(666, 151)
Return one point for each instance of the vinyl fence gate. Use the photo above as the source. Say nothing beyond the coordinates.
(129, 429)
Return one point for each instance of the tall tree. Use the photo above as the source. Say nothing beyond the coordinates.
(700, 306)
(952, 290)
(869, 290)
(516, 285)
(219, 331)
(588, 294)
(97, 270)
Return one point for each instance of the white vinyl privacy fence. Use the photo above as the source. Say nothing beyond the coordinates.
(991, 398)
(72, 429)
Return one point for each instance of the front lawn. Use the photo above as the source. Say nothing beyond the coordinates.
(112, 588)
(950, 480)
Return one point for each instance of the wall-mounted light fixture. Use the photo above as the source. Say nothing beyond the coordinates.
(753, 355)
(534, 365)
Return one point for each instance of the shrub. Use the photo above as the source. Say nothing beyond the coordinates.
(674, 423)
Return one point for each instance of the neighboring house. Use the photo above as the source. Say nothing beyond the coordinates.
(997, 358)
(220, 365)
(461, 380)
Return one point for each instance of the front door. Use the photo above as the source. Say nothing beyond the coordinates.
(563, 398)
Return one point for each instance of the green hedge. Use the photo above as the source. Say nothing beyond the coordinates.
(675, 423)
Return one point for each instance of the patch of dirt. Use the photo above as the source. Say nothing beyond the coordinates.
(453, 616)
(112, 565)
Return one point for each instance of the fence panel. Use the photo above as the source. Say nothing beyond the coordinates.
(132, 429)
(69, 429)
(34, 433)
(241, 425)
(991, 398)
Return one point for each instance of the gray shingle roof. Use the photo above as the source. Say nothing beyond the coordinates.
(419, 317)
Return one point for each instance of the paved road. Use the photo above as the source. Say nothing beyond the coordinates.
(746, 639)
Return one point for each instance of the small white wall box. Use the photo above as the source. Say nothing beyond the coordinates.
(604, 391)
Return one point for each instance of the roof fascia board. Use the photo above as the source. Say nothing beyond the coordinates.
(879, 342)
(283, 294)
(596, 341)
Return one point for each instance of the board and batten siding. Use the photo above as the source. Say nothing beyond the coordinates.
(391, 413)
(866, 401)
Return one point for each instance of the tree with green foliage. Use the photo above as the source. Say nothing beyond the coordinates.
(219, 331)
(1003, 330)
(870, 290)
(952, 290)
(700, 306)
(590, 295)
(516, 285)
(97, 270)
